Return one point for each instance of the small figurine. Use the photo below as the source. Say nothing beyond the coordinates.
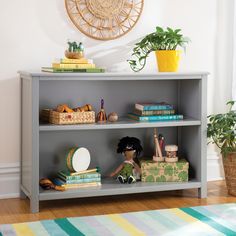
(113, 117)
(101, 116)
(131, 148)
(158, 153)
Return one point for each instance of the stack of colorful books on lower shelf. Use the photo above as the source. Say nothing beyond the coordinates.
(78, 180)
(66, 65)
(154, 112)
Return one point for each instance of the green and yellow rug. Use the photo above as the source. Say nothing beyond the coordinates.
(200, 221)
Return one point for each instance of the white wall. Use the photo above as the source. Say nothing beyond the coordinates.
(34, 32)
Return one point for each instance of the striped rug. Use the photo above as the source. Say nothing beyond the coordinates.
(200, 221)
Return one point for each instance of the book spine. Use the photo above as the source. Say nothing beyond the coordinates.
(156, 118)
(78, 181)
(76, 61)
(76, 177)
(68, 70)
(153, 107)
(161, 118)
(72, 66)
(81, 185)
(151, 113)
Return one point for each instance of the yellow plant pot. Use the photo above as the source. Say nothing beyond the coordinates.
(167, 60)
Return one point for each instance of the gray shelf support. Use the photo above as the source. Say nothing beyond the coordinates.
(202, 192)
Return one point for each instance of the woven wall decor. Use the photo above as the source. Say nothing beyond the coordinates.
(104, 19)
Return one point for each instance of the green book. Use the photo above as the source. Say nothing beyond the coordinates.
(65, 70)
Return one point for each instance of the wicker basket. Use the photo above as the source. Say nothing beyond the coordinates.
(59, 118)
(229, 162)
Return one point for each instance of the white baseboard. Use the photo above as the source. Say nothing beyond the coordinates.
(9, 180)
(214, 167)
(10, 175)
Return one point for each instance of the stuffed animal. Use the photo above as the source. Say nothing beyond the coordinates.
(131, 148)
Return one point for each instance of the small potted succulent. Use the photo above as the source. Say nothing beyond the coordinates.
(74, 51)
(221, 130)
(164, 43)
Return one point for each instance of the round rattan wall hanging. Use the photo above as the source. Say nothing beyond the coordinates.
(104, 19)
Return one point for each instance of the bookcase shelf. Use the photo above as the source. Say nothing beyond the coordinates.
(112, 187)
(44, 145)
(123, 123)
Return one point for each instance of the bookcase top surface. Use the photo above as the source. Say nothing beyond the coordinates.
(113, 76)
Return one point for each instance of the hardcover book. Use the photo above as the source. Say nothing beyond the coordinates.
(63, 70)
(62, 183)
(75, 61)
(72, 66)
(154, 112)
(80, 181)
(155, 118)
(153, 106)
(77, 181)
(66, 175)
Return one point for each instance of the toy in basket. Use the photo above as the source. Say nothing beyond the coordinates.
(64, 115)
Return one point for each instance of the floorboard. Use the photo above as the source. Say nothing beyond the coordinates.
(17, 210)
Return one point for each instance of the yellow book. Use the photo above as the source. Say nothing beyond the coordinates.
(72, 66)
(76, 61)
(82, 185)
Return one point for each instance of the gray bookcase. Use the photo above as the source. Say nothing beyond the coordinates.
(44, 145)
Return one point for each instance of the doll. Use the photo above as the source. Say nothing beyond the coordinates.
(130, 147)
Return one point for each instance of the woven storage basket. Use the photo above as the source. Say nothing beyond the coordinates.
(229, 162)
(59, 118)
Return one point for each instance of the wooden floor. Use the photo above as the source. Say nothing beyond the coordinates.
(17, 210)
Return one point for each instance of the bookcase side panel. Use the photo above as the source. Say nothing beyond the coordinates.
(26, 134)
(203, 189)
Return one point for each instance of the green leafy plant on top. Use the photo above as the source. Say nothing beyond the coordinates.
(221, 130)
(161, 39)
(74, 47)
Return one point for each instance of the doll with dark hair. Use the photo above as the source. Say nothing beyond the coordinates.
(131, 148)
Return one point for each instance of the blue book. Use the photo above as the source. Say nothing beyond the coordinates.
(155, 118)
(78, 181)
(153, 106)
(65, 175)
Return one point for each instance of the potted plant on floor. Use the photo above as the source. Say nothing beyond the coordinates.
(221, 130)
(164, 43)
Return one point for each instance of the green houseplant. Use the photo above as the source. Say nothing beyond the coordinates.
(75, 50)
(163, 42)
(221, 130)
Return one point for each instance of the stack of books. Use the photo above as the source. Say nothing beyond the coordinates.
(70, 180)
(154, 112)
(73, 65)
